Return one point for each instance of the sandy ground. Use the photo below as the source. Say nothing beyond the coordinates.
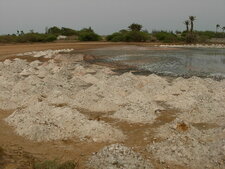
(54, 105)
(10, 49)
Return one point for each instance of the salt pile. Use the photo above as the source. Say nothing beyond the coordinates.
(43, 122)
(117, 156)
(188, 146)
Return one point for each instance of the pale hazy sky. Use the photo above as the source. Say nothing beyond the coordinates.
(107, 16)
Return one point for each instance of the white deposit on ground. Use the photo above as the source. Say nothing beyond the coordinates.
(117, 156)
(45, 53)
(54, 100)
(218, 46)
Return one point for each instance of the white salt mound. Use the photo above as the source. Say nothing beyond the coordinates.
(42, 122)
(117, 156)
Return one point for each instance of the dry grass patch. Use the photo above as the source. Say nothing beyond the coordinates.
(54, 165)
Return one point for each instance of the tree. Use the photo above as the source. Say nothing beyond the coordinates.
(223, 28)
(217, 27)
(54, 30)
(87, 30)
(123, 31)
(135, 27)
(89, 36)
(187, 23)
(46, 30)
(192, 19)
(68, 31)
(21, 32)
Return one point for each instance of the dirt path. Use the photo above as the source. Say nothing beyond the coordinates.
(10, 49)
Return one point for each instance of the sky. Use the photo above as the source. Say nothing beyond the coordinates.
(108, 16)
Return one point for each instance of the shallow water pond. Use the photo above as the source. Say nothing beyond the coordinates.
(203, 62)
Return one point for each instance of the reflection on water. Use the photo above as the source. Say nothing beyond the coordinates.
(180, 62)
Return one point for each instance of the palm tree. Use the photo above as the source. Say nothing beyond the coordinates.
(223, 28)
(192, 19)
(217, 27)
(187, 23)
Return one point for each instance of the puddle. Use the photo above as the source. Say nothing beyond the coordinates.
(186, 62)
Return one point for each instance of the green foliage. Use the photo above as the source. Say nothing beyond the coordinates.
(54, 165)
(29, 37)
(135, 27)
(86, 30)
(63, 31)
(201, 36)
(134, 36)
(116, 37)
(128, 36)
(67, 165)
(166, 37)
(36, 37)
(54, 30)
(68, 32)
(191, 37)
(88, 36)
(192, 19)
(8, 39)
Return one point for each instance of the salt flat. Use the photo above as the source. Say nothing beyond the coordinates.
(65, 98)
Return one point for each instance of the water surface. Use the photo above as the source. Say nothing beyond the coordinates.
(203, 62)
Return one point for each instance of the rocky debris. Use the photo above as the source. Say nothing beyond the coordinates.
(118, 156)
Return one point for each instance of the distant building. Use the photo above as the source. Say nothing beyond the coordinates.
(61, 37)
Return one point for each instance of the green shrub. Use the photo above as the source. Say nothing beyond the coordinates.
(67, 165)
(36, 37)
(29, 37)
(68, 32)
(46, 165)
(116, 37)
(191, 37)
(54, 165)
(54, 30)
(128, 36)
(210, 34)
(201, 36)
(166, 37)
(86, 30)
(136, 36)
(88, 36)
(8, 38)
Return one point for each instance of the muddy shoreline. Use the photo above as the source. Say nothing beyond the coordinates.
(121, 68)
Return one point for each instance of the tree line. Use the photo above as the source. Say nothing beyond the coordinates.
(133, 33)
